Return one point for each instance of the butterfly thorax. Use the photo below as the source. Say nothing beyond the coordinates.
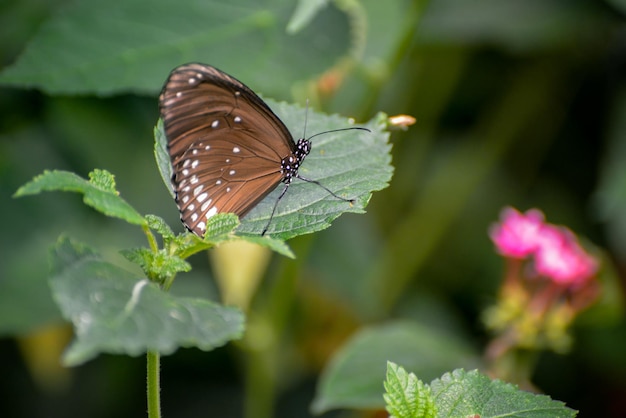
(289, 165)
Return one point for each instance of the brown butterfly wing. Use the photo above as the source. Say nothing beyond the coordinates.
(225, 144)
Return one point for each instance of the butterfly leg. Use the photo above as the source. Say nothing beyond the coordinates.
(325, 188)
(274, 209)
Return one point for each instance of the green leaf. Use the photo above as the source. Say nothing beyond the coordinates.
(220, 229)
(99, 192)
(407, 396)
(273, 244)
(103, 48)
(466, 394)
(352, 378)
(158, 224)
(162, 157)
(352, 164)
(113, 311)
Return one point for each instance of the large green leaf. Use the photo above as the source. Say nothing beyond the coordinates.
(352, 164)
(105, 47)
(354, 377)
(113, 311)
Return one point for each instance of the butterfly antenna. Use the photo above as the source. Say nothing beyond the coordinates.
(306, 117)
(339, 130)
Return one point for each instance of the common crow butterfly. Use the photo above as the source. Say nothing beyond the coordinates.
(227, 148)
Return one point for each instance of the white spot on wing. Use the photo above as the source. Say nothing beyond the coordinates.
(231, 172)
(206, 205)
(198, 189)
(236, 150)
(211, 212)
(202, 197)
(215, 124)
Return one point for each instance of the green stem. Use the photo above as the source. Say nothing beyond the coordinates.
(153, 360)
(260, 383)
(151, 240)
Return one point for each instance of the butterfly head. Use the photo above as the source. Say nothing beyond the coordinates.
(303, 147)
(289, 165)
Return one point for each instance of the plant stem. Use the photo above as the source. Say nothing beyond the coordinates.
(153, 361)
(151, 240)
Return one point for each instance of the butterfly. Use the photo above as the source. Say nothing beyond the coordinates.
(227, 148)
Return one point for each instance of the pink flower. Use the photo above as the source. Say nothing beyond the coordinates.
(560, 257)
(517, 234)
(555, 251)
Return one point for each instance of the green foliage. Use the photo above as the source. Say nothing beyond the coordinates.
(525, 111)
(464, 394)
(114, 311)
(352, 379)
(130, 54)
(99, 192)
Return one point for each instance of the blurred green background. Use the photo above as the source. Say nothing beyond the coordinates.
(517, 102)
